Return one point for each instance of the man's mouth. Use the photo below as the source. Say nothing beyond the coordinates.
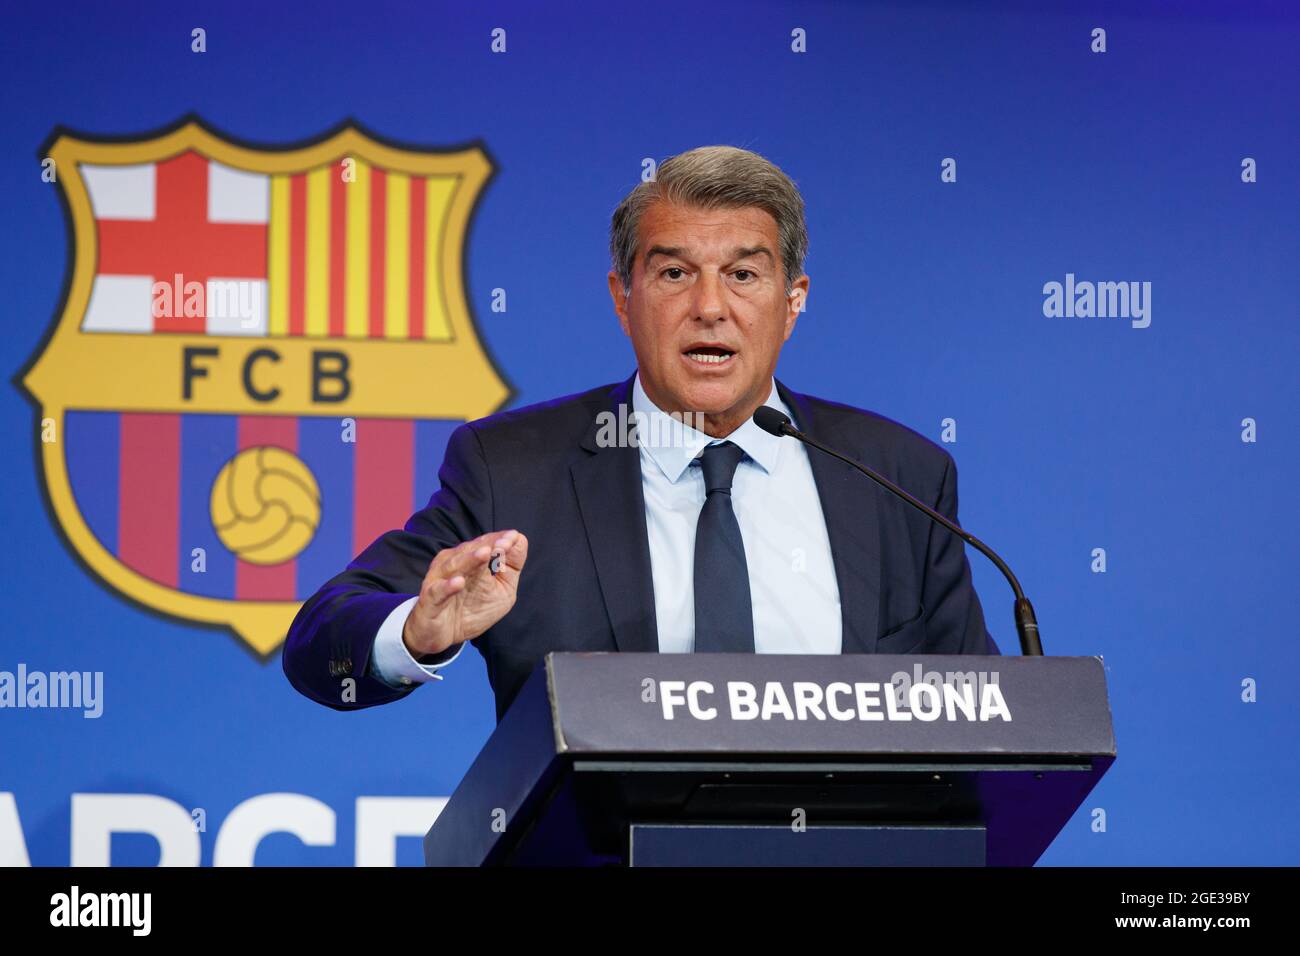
(709, 355)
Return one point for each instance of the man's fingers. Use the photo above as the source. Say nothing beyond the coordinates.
(467, 561)
(443, 590)
(442, 560)
(469, 558)
(491, 538)
(516, 552)
(499, 550)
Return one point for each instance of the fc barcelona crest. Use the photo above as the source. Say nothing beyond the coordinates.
(258, 360)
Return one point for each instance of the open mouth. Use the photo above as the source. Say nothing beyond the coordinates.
(709, 356)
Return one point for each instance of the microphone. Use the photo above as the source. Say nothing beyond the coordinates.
(777, 423)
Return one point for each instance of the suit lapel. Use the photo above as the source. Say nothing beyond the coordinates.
(852, 524)
(608, 486)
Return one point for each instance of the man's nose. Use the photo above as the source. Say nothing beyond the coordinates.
(710, 302)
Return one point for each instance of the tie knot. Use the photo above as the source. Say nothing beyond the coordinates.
(719, 464)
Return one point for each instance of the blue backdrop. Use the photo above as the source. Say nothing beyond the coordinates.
(926, 304)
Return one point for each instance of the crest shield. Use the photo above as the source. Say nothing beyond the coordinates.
(257, 362)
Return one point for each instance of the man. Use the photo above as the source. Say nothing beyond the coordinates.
(557, 530)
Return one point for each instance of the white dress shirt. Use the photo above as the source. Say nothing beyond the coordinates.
(793, 590)
(792, 586)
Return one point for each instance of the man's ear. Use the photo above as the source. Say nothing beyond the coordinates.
(795, 303)
(620, 301)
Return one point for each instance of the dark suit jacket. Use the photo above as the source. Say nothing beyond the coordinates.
(904, 582)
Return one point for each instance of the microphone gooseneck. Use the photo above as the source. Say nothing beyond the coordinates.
(775, 422)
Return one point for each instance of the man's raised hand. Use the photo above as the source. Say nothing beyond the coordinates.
(460, 597)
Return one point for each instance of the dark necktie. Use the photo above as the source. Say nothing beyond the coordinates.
(724, 617)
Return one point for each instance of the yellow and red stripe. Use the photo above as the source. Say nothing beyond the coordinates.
(358, 258)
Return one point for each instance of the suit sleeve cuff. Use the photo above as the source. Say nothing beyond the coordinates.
(392, 663)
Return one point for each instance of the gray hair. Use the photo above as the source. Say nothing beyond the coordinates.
(715, 177)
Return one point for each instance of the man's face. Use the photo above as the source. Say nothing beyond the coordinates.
(707, 310)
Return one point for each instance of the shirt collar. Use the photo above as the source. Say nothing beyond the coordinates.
(673, 444)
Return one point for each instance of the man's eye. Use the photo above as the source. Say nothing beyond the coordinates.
(744, 275)
(673, 272)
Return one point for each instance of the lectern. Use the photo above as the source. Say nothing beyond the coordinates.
(801, 760)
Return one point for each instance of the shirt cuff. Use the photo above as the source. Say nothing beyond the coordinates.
(390, 660)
